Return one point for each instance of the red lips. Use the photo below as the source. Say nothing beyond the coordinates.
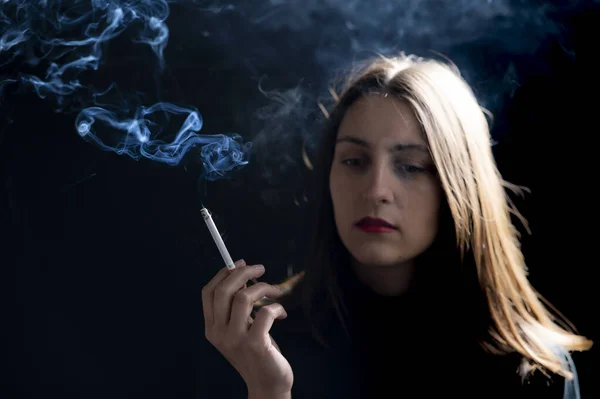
(375, 222)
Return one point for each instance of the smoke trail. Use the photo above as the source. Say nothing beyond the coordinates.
(492, 41)
(219, 153)
(69, 37)
(288, 123)
(341, 29)
(58, 45)
(54, 45)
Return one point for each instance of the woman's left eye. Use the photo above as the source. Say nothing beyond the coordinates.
(410, 169)
(409, 172)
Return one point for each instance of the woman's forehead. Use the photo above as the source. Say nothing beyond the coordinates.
(381, 121)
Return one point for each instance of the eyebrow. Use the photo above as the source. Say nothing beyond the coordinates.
(397, 147)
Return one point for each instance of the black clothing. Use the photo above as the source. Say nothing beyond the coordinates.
(411, 346)
(400, 348)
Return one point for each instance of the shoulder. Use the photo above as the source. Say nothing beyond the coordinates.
(503, 380)
(543, 386)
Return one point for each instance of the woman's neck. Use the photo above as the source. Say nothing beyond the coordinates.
(387, 281)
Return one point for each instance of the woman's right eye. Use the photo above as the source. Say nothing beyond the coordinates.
(351, 162)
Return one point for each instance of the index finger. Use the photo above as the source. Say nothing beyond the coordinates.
(208, 292)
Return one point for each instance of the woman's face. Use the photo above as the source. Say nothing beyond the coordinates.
(382, 169)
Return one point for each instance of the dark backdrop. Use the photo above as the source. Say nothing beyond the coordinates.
(104, 256)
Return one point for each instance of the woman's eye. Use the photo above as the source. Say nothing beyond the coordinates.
(402, 169)
(409, 171)
(352, 162)
(411, 168)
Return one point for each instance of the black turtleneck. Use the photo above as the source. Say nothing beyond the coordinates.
(414, 345)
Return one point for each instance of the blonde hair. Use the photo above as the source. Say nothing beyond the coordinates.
(459, 139)
(458, 135)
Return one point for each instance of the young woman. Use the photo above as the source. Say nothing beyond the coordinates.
(415, 284)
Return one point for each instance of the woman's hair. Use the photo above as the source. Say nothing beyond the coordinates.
(458, 136)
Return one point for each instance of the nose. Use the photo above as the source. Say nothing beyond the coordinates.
(378, 184)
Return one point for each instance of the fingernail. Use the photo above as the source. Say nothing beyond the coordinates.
(241, 263)
(259, 267)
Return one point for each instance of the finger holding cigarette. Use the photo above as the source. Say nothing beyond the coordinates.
(236, 330)
(234, 286)
(244, 340)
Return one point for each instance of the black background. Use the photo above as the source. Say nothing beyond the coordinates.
(104, 257)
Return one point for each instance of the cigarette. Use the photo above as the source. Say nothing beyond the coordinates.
(214, 232)
(217, 238)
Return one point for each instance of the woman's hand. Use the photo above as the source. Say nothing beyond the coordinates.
(245, 342)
